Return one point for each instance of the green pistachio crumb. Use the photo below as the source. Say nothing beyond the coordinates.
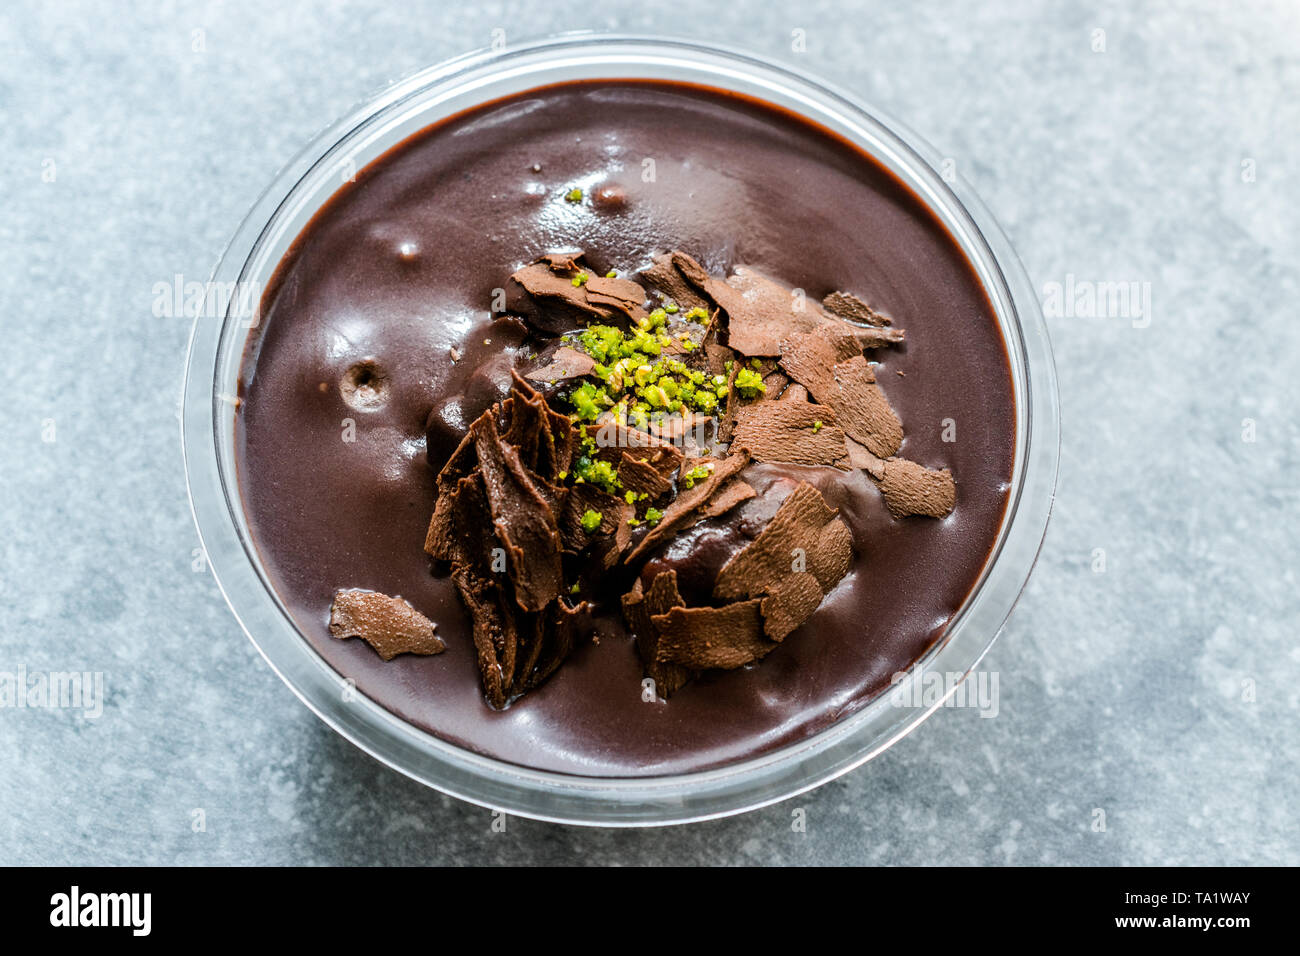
(653, 516)
(580, 279)
(817, 426)
(749, 383)
(573, 195)
(590, 521)
(698, 473)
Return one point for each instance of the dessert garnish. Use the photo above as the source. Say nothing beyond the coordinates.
(631, 424)
(388, 624)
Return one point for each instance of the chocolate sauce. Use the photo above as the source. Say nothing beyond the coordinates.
(396, 275)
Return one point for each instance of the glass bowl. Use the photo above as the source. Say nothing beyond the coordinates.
(215, 352)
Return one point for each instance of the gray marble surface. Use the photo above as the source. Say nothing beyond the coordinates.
(1161, 690)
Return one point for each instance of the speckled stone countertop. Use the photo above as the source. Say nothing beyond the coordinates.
(1149, 678)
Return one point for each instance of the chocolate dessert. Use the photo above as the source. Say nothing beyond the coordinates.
(629, 427)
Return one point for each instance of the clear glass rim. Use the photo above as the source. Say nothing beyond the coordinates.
(614, 801)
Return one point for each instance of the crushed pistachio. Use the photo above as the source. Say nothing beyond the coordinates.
(597, 471)
(697, 314)
(580, 279)
(636, 378)
(573, 195)
(749, 383)
(590, 522)
(698, 473)
(653, 516)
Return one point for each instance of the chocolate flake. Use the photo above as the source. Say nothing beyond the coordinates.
(794, 432)
(861, 457)
(849, 306)
(664, 276)
(912, 489)
(804, 545)
(640, 607)
(613, 511)
(524, 524)
(639, 476)
(686, 509)
(727, 497)
(864, 411)
(498, 495)
(701, 638)
(550, 283)
(565, 364)
(762, 313)
(388, 624)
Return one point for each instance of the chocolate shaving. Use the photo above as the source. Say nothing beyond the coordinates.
(499, 497)
(810, 360)
(790, 602)
(549, 283)
(794, 432)
(640, 607)
(388, 624)
(613, 511)
(700, 638)
(801, 521)
(762, 313)
(849, 306)
(727, 497)
(805, 544)
(687, 508)
(861, 457)
(664, 276)
(456, 530)
(775, 383)
(908, 488)
(524, 523)
(615, 441)
(721, 294)
(874, 338)
(765, 313)
(848, 386)
(639, 476)
(863, 410)
(912, 489)
(717, 357)
(727, 414)
(565, 364)
(494, 641)
(676, 426)
(794, 392)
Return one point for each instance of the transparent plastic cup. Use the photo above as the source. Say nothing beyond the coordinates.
(307, 182)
